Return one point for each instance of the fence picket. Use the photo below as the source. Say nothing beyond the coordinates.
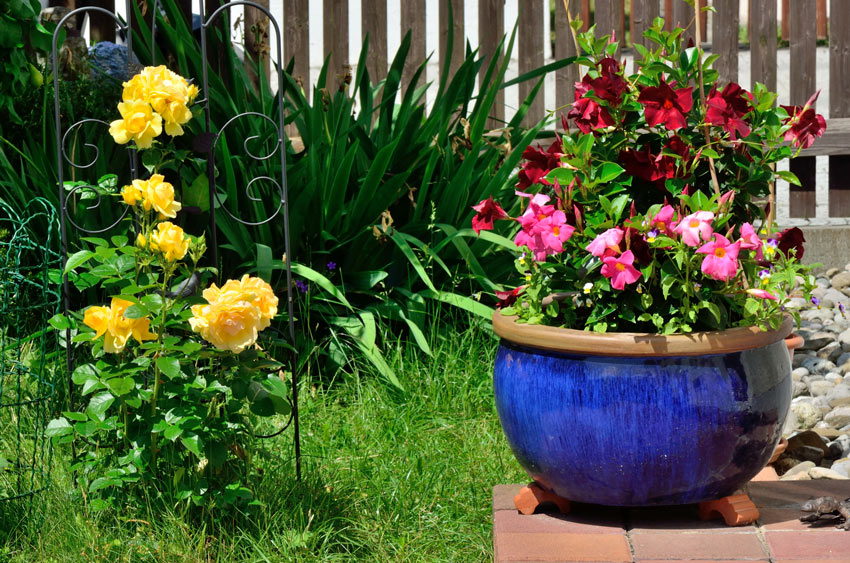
(457, 30)
(413, 19)
(839, 103)
(296, 40)
(491, 23)
(763, 43)
(530, 35)
(608, 19)
(373, 15)
(802, 31)
(336, 41)
(724, 39)
(565, 78)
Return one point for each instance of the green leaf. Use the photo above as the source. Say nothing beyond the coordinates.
(136, 312)
(264, 262)
(78, 259)
(401, 241)
(789, 177)
(192, 443)
(84, 373)
(609, 171)
(99, 404)
(58, 427)
(121, 385)
(170, 367)
(60, 322)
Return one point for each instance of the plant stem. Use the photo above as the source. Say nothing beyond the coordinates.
(697, 30)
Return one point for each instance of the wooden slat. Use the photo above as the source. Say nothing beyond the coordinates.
(457, 30)
(102, 27)
(802, 33)
(491, 25)
(296, 40)
(257, 37)
(565, 78)
(724, 39)
(682, 15)
(784, 28)
(530, 35)
(335, 31)
(374, 24)
(835, 140)
(839, 104)
(643, 12)
(585, 14)
(763, 43)
(821, 17)
(413, 19)
(608, 18)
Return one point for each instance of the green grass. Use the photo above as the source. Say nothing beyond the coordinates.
(388, 476)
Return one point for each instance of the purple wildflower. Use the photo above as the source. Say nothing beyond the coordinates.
(651, 235)
(331, 265)
(842, 309)
(816, 302)
(302, 286)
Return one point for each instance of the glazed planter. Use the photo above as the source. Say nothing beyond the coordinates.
(629, 419)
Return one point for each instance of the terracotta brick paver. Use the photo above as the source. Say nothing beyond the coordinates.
(668, 534)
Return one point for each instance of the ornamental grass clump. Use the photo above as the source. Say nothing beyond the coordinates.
(652, 211)
(171, 385)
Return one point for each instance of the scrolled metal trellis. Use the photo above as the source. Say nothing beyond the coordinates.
(65, 196)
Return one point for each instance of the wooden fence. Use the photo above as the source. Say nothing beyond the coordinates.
(803, 22)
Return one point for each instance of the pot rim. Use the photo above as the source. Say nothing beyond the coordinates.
(557, 339)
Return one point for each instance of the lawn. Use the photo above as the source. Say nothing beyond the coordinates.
(388, 476)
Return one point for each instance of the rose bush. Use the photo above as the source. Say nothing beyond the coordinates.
(648, 213)
(161, 408)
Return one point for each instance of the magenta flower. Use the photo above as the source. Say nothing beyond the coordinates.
(663, 220)
(607, 241)
(762, 294)
(695, 228)
(488, 210)
(806, 125)
(619, 269)
(721, 260)
(544, 230)
(554, 232)
(663, 105)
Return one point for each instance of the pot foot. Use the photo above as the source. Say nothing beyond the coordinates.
(736, 510)
(532, 497)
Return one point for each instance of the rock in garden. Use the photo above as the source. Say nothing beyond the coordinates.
(838, 417)
(830, 352)
(840, 280)
(784, 464)
(842, 443)
(839, 395)
(822, 283)
(799, 469)
(836, 297)
(831, 272)
(799, 373)
(807, 438)
(817, 365)
(844, 340)
(824, 473)
(799, 388)
(820, 387)
(807, 414)
(814, 340)
(797, 303)
(809, 453)
(842, 467)
(834, 377)
(822, 315)
(108, 58)
(822, 404)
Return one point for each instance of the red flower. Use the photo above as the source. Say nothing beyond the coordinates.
(637, 244)
(488, 211)
(806, 125)
(663, 105)
(508, 298)
(791, 238)
(537, 164)
(587, 114)
(727, 108)
(610, 85)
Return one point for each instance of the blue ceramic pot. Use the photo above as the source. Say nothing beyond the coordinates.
(639, 420)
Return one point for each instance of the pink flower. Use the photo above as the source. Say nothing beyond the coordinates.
(751, 241)
(488, 211)
(619, 269)
(609, 240)
(762, 294)
(721, 260)
(663, 220)
(544, 230)
(695, 228)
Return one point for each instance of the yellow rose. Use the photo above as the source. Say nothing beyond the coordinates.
(260, 294)
(141, 242)
(159, 195)
(115, 328)
(169, 94)
(170, 240)
(227, 325)
(138, 122)
(132, 193)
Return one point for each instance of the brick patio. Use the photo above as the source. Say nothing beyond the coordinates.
(597, 533)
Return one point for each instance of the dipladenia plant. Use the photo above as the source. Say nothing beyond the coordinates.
(172, 383)
(648, 213)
